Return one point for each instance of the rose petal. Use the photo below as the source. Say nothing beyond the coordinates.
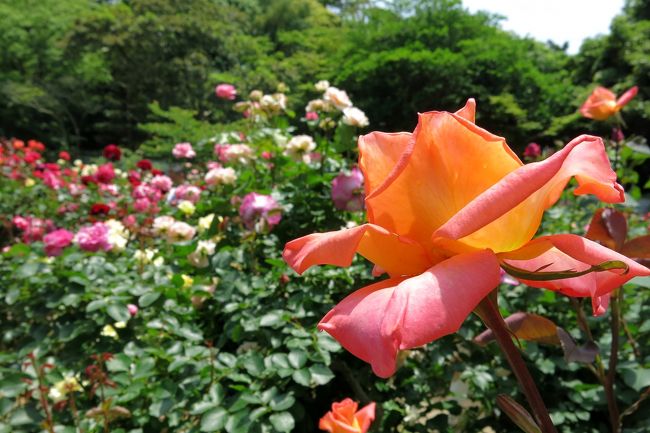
(449, 162)
(507, 215)
(468, 112)
(394, 254)
(376, 321)
(379, 154)
(571, 252)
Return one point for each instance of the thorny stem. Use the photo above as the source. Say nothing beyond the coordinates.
(489, 313)
(613, 359)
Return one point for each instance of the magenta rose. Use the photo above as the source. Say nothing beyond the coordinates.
(259, 211)
(56, 241)
(347, 191)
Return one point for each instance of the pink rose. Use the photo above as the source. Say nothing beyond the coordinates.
(261, 209)
(133, 309)
(105, 173)
(226, 91)
(56, 241)
(162, 183)
(347, 191)
(533, 150)
(183, 150)
(93, 238)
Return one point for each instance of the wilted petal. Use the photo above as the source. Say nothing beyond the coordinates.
(571, 252)
(449, 163)
(377, 321)
(394, 254)
(507, 215)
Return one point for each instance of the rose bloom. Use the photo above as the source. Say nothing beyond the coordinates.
(602, 103)
(311, 116)
(112, 153)
(322, 85)
(187, 207)
(144, 165)
(338, 98)
(345, 418)
(533, 150)
(183, 150)
(226, 91)
(180, 231)
(162, 224)
(162, 183)
(36, 145)
(93, 238)
(184, 192)
(448, 206)
(56, 241)
(99, 209)
(220, 176)
(64, 155)
(132, 309)
(241, 153)
(354, 117)
(299, 148)
(347, 191)
(105, 173)
(259, 211)
(199, 258)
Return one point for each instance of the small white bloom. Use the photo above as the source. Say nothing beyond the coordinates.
(339, 98)
(354, 117)
(300, 147)
(322, 85)
(221, 176)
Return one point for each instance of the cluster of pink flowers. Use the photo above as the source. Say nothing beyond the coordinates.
(33, 229)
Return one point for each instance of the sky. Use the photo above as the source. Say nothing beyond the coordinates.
(558, 20)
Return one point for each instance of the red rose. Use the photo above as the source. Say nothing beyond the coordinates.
(99, 209)
(112, 152)
(144, 165)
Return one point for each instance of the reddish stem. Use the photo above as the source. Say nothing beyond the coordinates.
(489, 313)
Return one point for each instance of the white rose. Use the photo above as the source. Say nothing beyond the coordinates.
(339, 98)
(354, 117)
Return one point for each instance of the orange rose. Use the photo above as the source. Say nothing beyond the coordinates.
(447, 207)
(602, 103)
(344, 418)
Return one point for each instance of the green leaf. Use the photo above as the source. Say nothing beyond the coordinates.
(282, 421)
(148, 298)
(118, 312)
(214, 420)
(302, 377)
(321, 374)
(282, 402)
(297, 359)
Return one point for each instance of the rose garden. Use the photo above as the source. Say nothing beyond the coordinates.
(287, 257)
